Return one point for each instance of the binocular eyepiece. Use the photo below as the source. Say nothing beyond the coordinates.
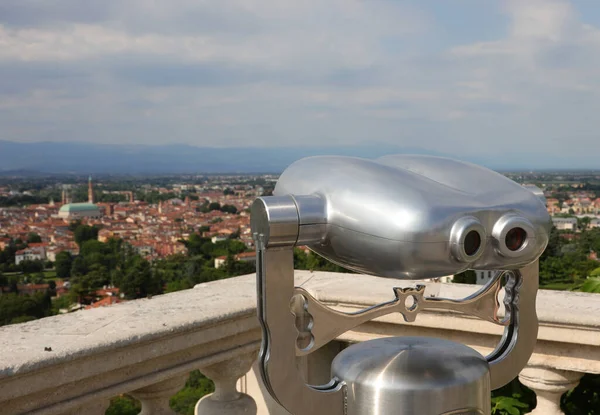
(512, 236)
(408, 216)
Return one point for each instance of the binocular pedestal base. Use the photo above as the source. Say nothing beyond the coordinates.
(413, 375)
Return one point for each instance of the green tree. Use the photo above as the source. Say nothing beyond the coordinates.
(591, 285)
(38, 278)
(33, 238)
(79, 267)
(177, 285)
(203, 208)
(195, 244)
(62, 302)
(214, 206)
(85, 233)
(138, 280)
(555, 243)
(235, 235)
(465, 277)
(63, 264)
(585, 398)
(84, 286)
(583, 223)
(235, 268)
(124, 405)
(29, 267)
(22, 319)
(19, 308)
(74, 225)
(209, 274)
(7, 256)
(229, 209)
(93, 246)
(505, 405)
(300, 259)
(512, 399)
(195, 388)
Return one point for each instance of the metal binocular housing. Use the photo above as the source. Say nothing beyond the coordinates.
(404, 217)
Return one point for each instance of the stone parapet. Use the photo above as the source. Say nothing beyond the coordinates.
(76, 362)
(58, 364)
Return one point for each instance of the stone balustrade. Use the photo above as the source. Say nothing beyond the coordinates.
(74, 363)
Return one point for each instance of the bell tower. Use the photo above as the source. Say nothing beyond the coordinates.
(90, 191)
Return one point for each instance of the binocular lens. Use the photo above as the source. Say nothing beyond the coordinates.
(515, 238)
(472, 243)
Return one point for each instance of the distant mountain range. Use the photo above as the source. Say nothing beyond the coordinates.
(28, 159)
(70, 157)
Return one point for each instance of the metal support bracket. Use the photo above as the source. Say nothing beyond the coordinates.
(318, 324)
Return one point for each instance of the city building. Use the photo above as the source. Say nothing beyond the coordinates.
(72, 211)
(218, 238)
(30, 254)
(484, 276)
(243, 257)
(565, 224)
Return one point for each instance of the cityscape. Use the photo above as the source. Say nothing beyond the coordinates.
(159, 226)
(70, 243)
(45, 229)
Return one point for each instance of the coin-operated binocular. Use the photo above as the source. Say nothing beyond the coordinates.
(404, 217)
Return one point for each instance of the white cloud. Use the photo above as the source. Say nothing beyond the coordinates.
(242, 72)
(340, 32)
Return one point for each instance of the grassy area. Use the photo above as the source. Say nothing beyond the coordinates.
(49, 274)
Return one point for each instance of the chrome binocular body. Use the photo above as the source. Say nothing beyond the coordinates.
(403, 217)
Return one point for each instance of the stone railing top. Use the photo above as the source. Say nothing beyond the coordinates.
(92, 332)
(561, 307)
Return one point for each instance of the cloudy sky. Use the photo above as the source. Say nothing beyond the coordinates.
(477, 76)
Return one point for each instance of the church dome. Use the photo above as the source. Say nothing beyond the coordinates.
(78, 207)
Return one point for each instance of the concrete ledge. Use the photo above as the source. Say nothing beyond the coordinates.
(99, 353)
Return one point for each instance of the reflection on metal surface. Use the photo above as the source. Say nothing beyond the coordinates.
(519, 337)
(275, 288)
(412, 375)
(402, 217)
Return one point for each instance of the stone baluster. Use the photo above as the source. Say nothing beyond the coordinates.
(226, 399)
(548, 385)
(155, 398)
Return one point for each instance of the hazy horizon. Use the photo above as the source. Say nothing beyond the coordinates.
(76, 157)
